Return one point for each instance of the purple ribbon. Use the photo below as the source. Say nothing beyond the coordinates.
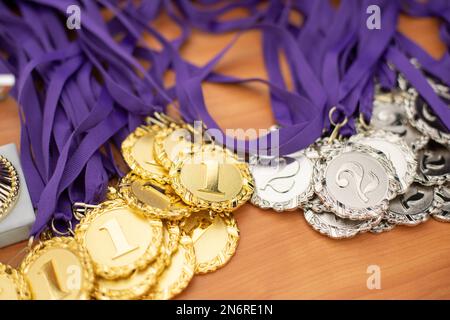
(81, 92)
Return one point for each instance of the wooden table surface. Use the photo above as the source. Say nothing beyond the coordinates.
(279, 255)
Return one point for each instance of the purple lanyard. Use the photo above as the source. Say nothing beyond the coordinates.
(71, 120)
(81, 116)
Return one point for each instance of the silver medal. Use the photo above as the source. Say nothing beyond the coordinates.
(412, 207)
(282, 183)
(355, 181)
(442, 211)
(395, 149)
(389, 114)
(424, 119)
(383, 226)
(331, 225)
(433, 164)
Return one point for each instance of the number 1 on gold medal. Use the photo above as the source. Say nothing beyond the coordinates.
(48, 271)
(118, 238)
(212, 177)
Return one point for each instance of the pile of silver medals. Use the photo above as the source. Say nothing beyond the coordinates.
(394, 171)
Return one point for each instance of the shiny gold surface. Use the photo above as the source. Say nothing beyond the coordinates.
(119, 240)
(139, 282)
(137, 151)
(152, 200)
(171, 143)
(13, 286)
(178, 275)
(58, 269)
(212, 178)
(215, 240)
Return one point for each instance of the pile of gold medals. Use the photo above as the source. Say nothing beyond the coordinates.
(169, 219)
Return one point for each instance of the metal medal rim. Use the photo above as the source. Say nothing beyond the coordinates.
(70, 244)
(186, 276)
(405, 96)
(226, 253)
(22, 288)
(422, 126)
(383, 226)
(289, 205)
(145, 209)
(174, 230)
(411, 162)
(13, 195)
(127, 152)
(433, 180)
(340, 209)
(414, 219)
(136, 292)
(312, 218)
(111, 272)
(436, 214)
(220, 206)
(160, 152)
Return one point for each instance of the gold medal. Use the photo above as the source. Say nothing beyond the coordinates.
(13, 285)
(178, 275)
(58, 269)
(171, 239)
(171, 143)
(140, 282)
(137, 150)
(152, 200)
(215, 240)
(9, 186)
(212, 179)
(119, 239)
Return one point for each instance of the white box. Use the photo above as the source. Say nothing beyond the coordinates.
(15, 227)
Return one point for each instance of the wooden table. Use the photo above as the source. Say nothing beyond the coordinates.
(279, 255)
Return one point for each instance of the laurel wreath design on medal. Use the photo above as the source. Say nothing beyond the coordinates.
(174, 233)
(390, 108)
(439, 162)
(152, 272)
(332, 204)
(383, 226)
(159, 146)
(223, 254)
(421, 125)
(128, 146)
(103, 292)
(441, 210)
(342, 228)
(9, 186)
(228, 252)
(297, 201)
(413, 195)
(112, 272)
(188, 195)
(176, 211)
(407, 152)
(187, 273)
(16, 277)
(67, 243)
